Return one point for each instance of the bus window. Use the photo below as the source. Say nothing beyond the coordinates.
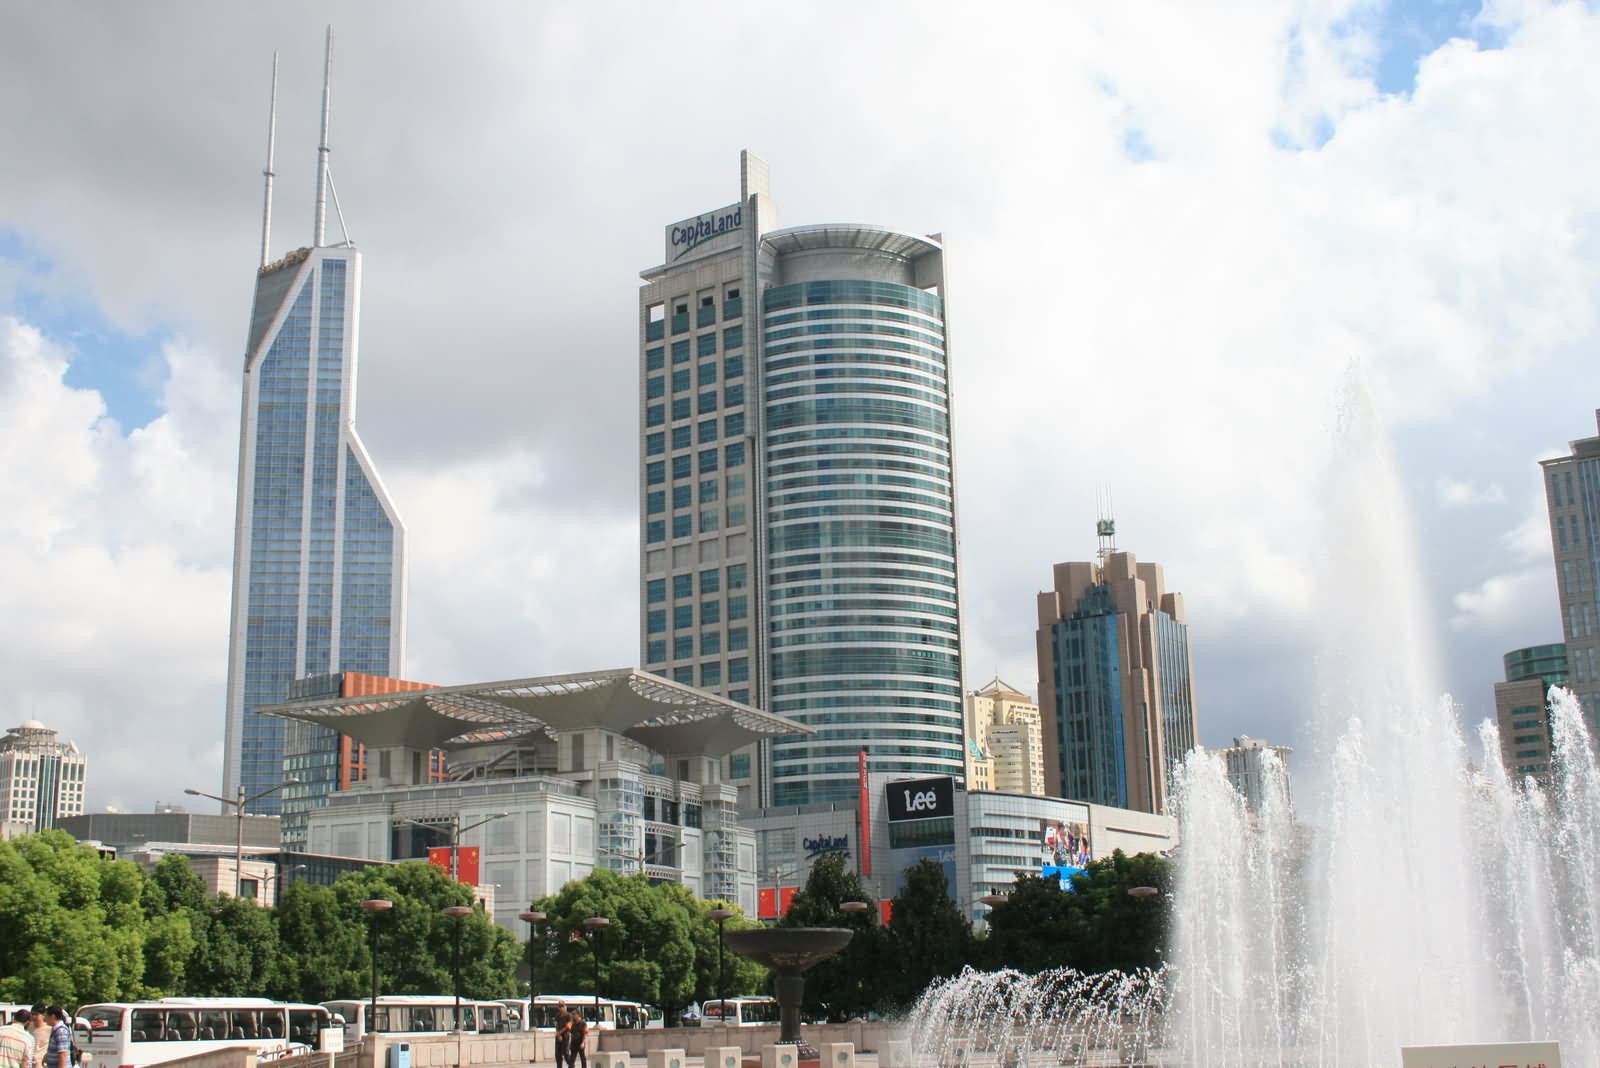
(147, 1025)
(242, 1025)
(181, 1027)
(213, 1025)
(305, 1027)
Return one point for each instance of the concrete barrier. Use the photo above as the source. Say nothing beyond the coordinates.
(615, 1058)
(724, 1057)
(666, 1058)
(836, 1055)
(895, 1053)
(780, 1056)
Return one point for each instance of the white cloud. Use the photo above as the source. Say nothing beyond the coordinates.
(1458, 493)
(1505, 603)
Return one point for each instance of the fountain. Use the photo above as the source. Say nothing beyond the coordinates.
(789, 951)
(1422, 900)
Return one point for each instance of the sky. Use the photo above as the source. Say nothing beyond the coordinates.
(1179, 239)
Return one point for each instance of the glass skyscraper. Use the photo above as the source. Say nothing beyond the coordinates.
(318, 571)
(797, 499)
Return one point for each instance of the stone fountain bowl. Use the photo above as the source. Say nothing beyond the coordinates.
(788, 948)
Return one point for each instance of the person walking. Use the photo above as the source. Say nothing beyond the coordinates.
(40, 1029)
(16, 1044)
(59, 1053)
(563, 1035)
(575, 1048)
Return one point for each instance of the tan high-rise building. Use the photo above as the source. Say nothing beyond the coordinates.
(1572, 492)
(1005, 750)
(1116, 694)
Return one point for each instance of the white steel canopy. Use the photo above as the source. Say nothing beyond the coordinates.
(665, 716)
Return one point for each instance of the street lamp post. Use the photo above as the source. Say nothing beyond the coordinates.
(459, 913)
(278, 877)
(456, 831)
(721, 916)
(596, 924)
(532, 919)
(374, 906)
(239, 804)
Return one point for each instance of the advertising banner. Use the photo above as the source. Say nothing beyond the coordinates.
(920, 799)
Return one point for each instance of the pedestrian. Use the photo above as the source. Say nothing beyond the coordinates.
(16, 1044)
(59, 1053)
(575, 1048)
(40, 1029)
(563, 1035)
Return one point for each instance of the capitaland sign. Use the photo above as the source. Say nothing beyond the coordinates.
(826, 843)
(704, 234)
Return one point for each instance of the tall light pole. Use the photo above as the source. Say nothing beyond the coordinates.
(239, 804)
(460, 914)
(278, 877)
(596, 924)
(375, 907)
(721, 916)
(532, 919)
(456, 831)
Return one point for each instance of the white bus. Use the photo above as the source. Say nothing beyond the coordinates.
(539, 1014)
(134, 1033)
(635, 1015)
(739, 1012)
(419, 1014)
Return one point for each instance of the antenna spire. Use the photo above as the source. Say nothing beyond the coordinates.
(1105, 527)
(322, 146)
(272, 129)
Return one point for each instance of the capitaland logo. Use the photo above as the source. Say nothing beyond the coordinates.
(826, 843)
(686, 237)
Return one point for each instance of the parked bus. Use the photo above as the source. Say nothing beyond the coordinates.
(419, 1014)
(739, 1012)
(539, 1014)
(635, 1015)
(135, 1033)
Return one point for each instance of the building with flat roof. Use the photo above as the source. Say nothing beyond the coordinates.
(319, 550)
(1115, 687)
(41, 779)
(549, 778)
(797, 546)
(1522, 707)
(1572, 494)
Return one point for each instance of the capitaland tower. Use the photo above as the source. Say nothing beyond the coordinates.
(797, 497)
(319, 550)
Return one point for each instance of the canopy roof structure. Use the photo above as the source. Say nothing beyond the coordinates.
(665, 716)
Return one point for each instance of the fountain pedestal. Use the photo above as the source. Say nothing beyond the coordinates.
(789, 951)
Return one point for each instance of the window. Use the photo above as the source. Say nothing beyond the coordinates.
(683, 585)
(739, 763)
(710, 674)
(682, 525)
(733, 395)
(736, 513)
(705, 345)
(680, 409)
(706, 314)
(655, 415)
(738, 607)
(683, 676)
(680, 380)
(655, 530)
(655, 444)
(655, 321)
(733, 338)
(708, 430)
(710, 520)
(654, 359)
(708, 401)
(737, 576)
(655, 473)
(680, 316)
(682, 466)
(733, 425)
(710, 643)
(711, 612)
(738, 639)
(655, 501)
(655, 621)
(708, 374)
(655, 591)
(681, 495)
(655, 386)
(710, 581)
(708, 490)
(680, 352)
(739, 669)
(734, 454)
(683, 647)
(732, 303)
(736, 485)
(708, 461)
(681, 437)
(655, 651)
(682, 616)
(733, 367)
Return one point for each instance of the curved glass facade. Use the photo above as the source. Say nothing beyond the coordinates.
(862, 624)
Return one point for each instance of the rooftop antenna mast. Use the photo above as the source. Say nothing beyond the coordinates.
(320, 234)
(272, 130)
(1105, 528)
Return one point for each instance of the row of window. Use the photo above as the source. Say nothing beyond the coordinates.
(656, 318)
(732, 455)
(655, 386)
(655, 358)
(688, 407)
(683, 585)
(684, 525)
(683, 646)
(683, 614)
(703, 433)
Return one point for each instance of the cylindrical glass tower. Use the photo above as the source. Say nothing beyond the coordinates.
(861, 611)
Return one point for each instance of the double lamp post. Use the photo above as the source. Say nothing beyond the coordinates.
(239, 804)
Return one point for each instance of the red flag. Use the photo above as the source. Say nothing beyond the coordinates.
(767, 903)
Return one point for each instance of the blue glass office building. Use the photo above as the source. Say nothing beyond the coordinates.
(319, 549)
(797, 498)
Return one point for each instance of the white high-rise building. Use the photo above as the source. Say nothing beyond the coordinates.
(41, 779)
(319, 550)
(1005, 743)
(1256, 769)
(797, 500)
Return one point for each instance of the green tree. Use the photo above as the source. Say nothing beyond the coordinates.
(739, 975)
(928, 938)
(236, 950)
(324, 937)
(646, 951)
(849, 983)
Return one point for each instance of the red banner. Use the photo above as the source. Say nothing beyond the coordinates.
(439, 857)
(864, 810)
(767, 903)
(786, 898)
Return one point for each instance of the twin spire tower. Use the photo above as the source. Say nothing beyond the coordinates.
(319, 550)
(319, 231)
